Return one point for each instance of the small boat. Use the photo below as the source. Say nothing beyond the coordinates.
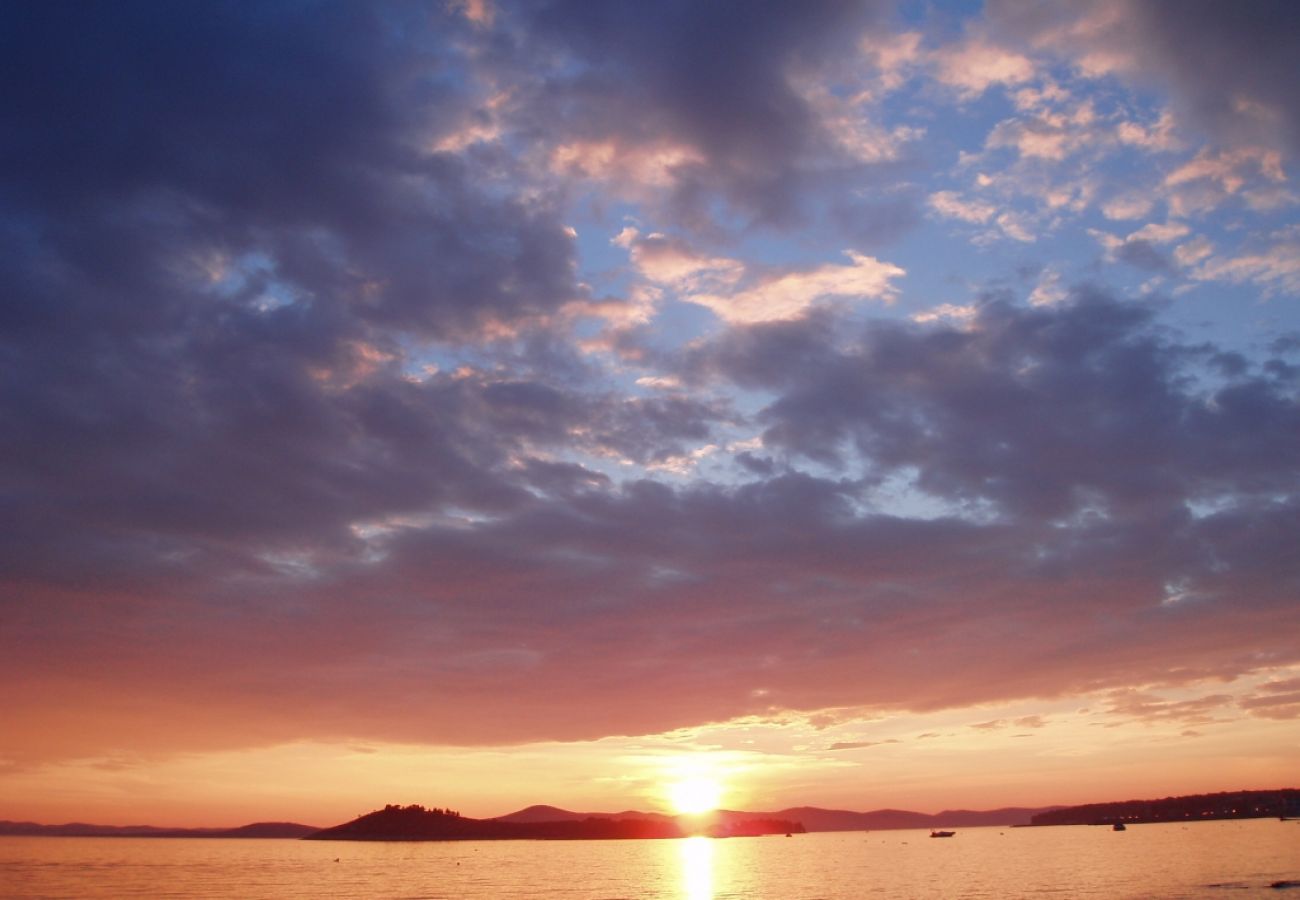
(1118, 826)
(942, 833)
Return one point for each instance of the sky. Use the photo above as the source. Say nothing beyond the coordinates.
(480, 404)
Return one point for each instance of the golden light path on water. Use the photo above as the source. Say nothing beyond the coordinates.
(697, 867)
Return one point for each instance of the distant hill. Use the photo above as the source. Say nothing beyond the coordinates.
(269, 830)
(1008, 815)
(1192, 807)
(81, 829)
(817, 819)
(415, 823)
(542, 813)
(813, 818)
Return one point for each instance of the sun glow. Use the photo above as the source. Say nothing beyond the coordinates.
(695, 794)
(697, 868)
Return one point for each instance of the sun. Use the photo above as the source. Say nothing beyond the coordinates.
(695, 794)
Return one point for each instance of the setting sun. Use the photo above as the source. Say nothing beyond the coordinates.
(694, 795)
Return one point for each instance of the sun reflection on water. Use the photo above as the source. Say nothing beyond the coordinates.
(697, 868)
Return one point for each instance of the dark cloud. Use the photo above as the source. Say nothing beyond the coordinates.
(622, 598)
(719, 79)
(1287, 343)
(1234, 65)
(1230, 67)
(225, 224)
(1041, 412)
(1143, 255)
(157, 157)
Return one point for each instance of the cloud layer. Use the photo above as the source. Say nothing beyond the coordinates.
(382, 372)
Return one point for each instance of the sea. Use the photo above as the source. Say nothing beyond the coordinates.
(1222, 859)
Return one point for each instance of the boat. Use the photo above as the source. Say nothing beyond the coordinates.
(942, 833)
(1118, 826)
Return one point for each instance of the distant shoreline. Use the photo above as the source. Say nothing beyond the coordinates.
(553, 823)
(254, 831)
(1269, 804)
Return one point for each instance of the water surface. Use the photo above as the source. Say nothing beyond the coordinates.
(1227, 860)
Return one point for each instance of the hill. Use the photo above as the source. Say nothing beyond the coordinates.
(814, 818)
(1192, 807)
(82, 829)
(543, 813)
(415, 823)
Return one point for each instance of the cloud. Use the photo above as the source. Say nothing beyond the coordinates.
(636, 165)
(1229, 169)
(1127, 207)
(736, 292)
(975, 64)
(1049, 288)
(1147, 707)
(1275, 267)
(1193, 251)
(1157, 233)
(710, 104)
(894, 56)
(1143, 254)
(1159, 137)
(1280, 706)
(1141, 247)
(333, 205)
(674, 262)
(1015, 226)
(788, 295)
(1209, 179)
(946, 311)
(923, 398)
(1229, 69)
(1022, 722)
(949, 204)
(1050, 135)
(1275, 699)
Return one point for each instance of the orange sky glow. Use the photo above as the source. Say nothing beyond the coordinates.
(1026, 754)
